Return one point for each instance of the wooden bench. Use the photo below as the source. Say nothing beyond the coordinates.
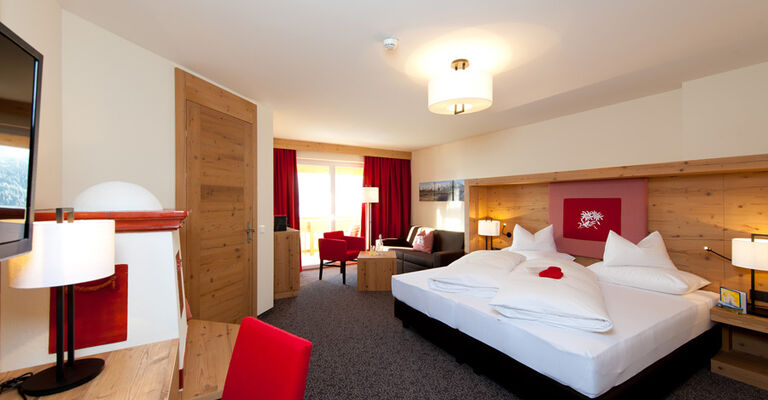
(209, 349)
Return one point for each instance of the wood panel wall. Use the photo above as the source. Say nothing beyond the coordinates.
(301, 145)
(690, 211)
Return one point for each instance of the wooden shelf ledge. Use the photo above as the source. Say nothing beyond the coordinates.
(746, 321)
(742, 367)
(128, 221)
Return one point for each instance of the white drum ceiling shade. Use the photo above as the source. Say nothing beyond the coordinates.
(450, 91)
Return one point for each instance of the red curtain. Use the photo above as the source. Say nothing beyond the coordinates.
(286, 181)
(391, 216)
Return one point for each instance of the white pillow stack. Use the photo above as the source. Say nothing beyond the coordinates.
(538, 245)
(645, 265)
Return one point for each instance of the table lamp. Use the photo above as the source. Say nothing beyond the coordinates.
(752, 253)
(488, 228)
(64, 254)
(370, 195)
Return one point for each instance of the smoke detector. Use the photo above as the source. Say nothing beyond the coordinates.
(391, 43)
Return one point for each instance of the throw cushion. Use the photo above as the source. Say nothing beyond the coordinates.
(423, 241)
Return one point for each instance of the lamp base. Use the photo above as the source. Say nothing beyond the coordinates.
(44, 382)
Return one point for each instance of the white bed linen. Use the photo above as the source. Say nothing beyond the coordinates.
(575, 300)
(478, 274)
(647, 326)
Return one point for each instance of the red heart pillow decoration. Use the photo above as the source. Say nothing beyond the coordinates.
(552, 272)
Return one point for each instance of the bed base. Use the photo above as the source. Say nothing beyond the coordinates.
(656, 381)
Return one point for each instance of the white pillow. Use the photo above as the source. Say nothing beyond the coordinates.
(533, 254)
(664, 280)
(543, 240)
(650, 252)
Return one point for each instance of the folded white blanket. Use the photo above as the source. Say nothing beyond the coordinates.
(574, 301)
(477, 274)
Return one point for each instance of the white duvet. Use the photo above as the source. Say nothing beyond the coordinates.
(478, 274)
(574, 301)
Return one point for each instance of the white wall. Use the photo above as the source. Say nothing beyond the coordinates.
(116, 123)
(38, 22)
(265, 256)
(119, 125)
(118, 103)
(717, 116)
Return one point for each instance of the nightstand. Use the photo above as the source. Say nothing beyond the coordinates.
(744, 353)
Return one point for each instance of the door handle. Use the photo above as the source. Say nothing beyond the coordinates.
(249, 231)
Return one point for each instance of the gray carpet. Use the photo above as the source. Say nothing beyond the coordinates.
(361, 351)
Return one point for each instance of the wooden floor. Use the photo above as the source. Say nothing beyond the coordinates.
(209, 349)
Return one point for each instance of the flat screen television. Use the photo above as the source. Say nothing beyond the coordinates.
(20, 74)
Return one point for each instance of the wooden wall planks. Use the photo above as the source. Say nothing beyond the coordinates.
(301, 145)
(690, 211)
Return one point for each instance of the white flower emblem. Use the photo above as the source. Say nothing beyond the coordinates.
(590, 219)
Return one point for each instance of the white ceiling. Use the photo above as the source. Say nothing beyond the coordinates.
(322, 67)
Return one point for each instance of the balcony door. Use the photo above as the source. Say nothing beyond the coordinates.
(329, 200)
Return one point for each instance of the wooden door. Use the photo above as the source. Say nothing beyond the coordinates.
(218, 188)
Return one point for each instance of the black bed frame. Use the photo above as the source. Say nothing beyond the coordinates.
(653, 382)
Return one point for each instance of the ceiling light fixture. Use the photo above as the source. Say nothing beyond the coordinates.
(460, 91)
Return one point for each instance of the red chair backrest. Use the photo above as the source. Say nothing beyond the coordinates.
(267, 363)
(334, 235)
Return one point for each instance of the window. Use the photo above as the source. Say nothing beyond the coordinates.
(329, 200)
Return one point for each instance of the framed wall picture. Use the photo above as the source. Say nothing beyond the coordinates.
(458, 190)
(452, 190)
(582, 213)
(426, 191)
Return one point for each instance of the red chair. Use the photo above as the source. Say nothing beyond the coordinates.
(334, 246)
(267, 363)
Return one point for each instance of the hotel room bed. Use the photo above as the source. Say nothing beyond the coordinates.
(648, 326)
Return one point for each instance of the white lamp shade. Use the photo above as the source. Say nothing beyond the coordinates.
(370, 195)
(65, 254)
(488, 227)
(473, 89)
(748, 254)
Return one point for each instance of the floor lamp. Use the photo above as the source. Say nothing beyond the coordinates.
(64, 254)
(370, 195)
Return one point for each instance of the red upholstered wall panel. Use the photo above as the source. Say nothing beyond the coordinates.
(101, 312)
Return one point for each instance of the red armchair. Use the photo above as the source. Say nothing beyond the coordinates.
(334, 246)
(267, 363)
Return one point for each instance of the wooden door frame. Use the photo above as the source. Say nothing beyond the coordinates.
(191, 88)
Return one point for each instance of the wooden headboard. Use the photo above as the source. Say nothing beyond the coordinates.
(692, 204)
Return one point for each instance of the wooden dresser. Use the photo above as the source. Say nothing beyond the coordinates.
(287, 263)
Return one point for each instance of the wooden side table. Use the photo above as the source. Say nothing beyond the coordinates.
(744, 354)
(374, 272)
